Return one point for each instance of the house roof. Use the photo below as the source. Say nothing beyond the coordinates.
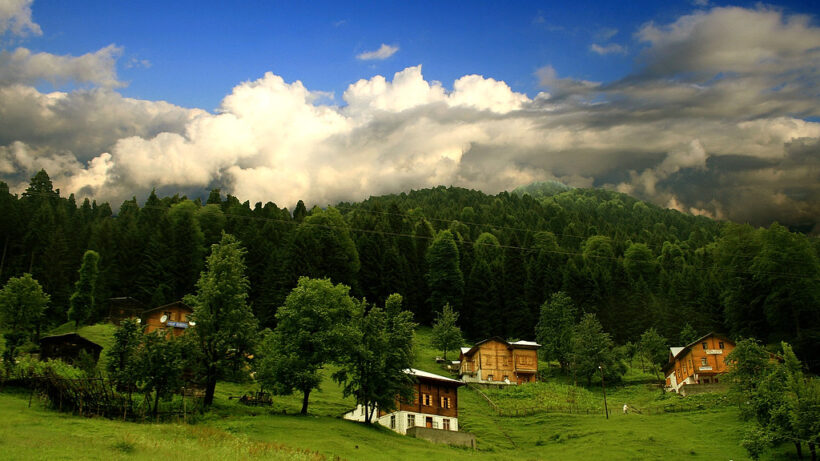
(74, 337)
(676, 350)
(168, 306)
(511, 345)
(428, 375)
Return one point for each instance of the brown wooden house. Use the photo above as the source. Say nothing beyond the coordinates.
(173, 318)
(700, 362)
(434, 406)
(68, 347)
(497, 361)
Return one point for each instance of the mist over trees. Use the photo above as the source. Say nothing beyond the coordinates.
(496, 259)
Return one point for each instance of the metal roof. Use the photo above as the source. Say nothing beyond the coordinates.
(428, 375)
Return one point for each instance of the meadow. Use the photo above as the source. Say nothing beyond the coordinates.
(706, 427)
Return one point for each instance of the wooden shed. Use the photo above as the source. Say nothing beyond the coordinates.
(67, 347)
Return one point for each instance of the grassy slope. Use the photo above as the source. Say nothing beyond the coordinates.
(233, 431)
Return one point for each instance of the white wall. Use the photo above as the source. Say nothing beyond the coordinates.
(357, 414)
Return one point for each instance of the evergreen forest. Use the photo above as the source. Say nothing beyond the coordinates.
(495, 259)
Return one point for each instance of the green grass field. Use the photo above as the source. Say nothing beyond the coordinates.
(709, 429)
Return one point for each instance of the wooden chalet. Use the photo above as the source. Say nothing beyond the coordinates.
(68, 347)
(124, 308)
(173, 318)
(497, 361)
(700, 362)
(434, 406)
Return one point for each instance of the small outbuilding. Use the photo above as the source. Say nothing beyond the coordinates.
(68, 347)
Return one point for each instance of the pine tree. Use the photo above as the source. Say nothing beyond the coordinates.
(83, 300)
(444, 273)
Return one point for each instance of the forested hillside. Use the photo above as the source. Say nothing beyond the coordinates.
(495, 259)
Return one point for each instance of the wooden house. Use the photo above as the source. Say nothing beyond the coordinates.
(701, 362)
(498, 361)
(173, 318)
(124, 308)
(68, 347)
(434, 406)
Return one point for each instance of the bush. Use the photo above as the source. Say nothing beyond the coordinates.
(27, 368)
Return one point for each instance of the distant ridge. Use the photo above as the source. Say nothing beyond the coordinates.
(540, 189)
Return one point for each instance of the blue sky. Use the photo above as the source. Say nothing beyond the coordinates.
(198, 51)
(710, 108)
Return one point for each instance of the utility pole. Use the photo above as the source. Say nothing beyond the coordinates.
(603, 386)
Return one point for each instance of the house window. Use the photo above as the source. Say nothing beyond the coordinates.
(703, 362)
(427, 399)
(720, 344)
(445, 402)
(506, 378)
(705, 346)
(445, 424)
(392, 421)
(411, 420)
(489, 377)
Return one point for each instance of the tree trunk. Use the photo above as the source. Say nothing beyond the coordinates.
(813, 451)
(3, 259)
(305, 401)
(210, 385)
(799, 446)
(156, 404)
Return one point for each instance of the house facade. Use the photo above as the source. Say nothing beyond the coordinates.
(172, 318)
(701, 362)
(498, 361)
(434, 406)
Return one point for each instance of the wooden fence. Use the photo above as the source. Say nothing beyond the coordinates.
(99, 397)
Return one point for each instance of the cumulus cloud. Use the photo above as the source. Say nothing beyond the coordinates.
(384, 52)
(23, 66)
(727, 138)
(15, 18)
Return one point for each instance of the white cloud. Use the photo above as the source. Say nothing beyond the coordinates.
(612, 48)
(384, 52)
(722, 140)
(15, 17)
(23, 66)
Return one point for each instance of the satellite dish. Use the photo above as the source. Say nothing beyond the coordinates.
(163, 319)
(192, 323)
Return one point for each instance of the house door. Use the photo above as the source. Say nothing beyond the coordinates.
(428, 422)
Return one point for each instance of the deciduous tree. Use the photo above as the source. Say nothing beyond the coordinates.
(446, 334)
(225, 327)
(313, 327)
(373, 364)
